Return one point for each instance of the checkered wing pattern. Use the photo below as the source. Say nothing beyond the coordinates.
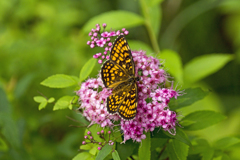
(121, 55)
(112, 74)
(118, 74)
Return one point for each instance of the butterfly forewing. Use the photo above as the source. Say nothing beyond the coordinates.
(121, 55)
(112, 74)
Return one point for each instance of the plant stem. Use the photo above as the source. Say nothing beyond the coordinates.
(152, 36)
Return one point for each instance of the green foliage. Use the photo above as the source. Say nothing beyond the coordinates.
(177, 150)
(104, 152)
(87, 69)
(43, 38)
(173, 63)
(201, 119)
(144, 148)
(115, 19)
(192, 95)
(203, 66)
(59, 81)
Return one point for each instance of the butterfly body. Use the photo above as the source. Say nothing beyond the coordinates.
(118, 73)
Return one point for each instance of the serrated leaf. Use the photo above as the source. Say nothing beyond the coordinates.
(205, 65)
(104, 152)
(39, 99)
(202, 119)
(173, 64)
(226, 142)
(84, 156)
(177, 150)
(63, 103)
(202, 145)
(159, 133)
(115, 155)
(87, 69)
(59, 81)
(180, 135)
(51, 100)
(115, 20)
(86, 147)
(144, 151)
(117, 134)
(125, 150)
(207, 154)
(42, 105)
(94, 150)
(191, 96)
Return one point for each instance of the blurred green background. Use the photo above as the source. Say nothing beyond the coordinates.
(40, 38)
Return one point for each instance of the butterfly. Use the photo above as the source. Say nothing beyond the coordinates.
(118, 74)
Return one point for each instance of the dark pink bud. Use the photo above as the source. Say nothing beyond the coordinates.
(83, 142)
(99, 148)
(89, 133)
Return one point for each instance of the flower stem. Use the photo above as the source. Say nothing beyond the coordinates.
(152, 36)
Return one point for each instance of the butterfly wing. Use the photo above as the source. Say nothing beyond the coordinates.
(112, 74)
(128, 108)
(122, 56)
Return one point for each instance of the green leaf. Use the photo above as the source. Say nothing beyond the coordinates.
(117, 134)
(144, 151)
(204, 66)
(59, 81)
(87, 69)
(202, 146)
(85, 147)
(42, 105)
(138, 45)
(3, 145)
(51, 100)
(94, 150)
(177, 150)
(115, 20)
(39, 99)
(208, 154)
(152, 14)
(84, 156)
(202, 119)
(226, 142)
(104, 152)
(173, 64)
(126, 150)
(180, 135)
(115, 155)
(159, 133)
(63, 103)
(23, 84)
(192, 95)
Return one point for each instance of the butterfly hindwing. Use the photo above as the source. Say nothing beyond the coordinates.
(128, 108)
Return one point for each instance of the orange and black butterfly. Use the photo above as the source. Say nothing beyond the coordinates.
(118, 73)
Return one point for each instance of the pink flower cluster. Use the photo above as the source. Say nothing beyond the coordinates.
(103, 39)
(153, 99)
(93, 102)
